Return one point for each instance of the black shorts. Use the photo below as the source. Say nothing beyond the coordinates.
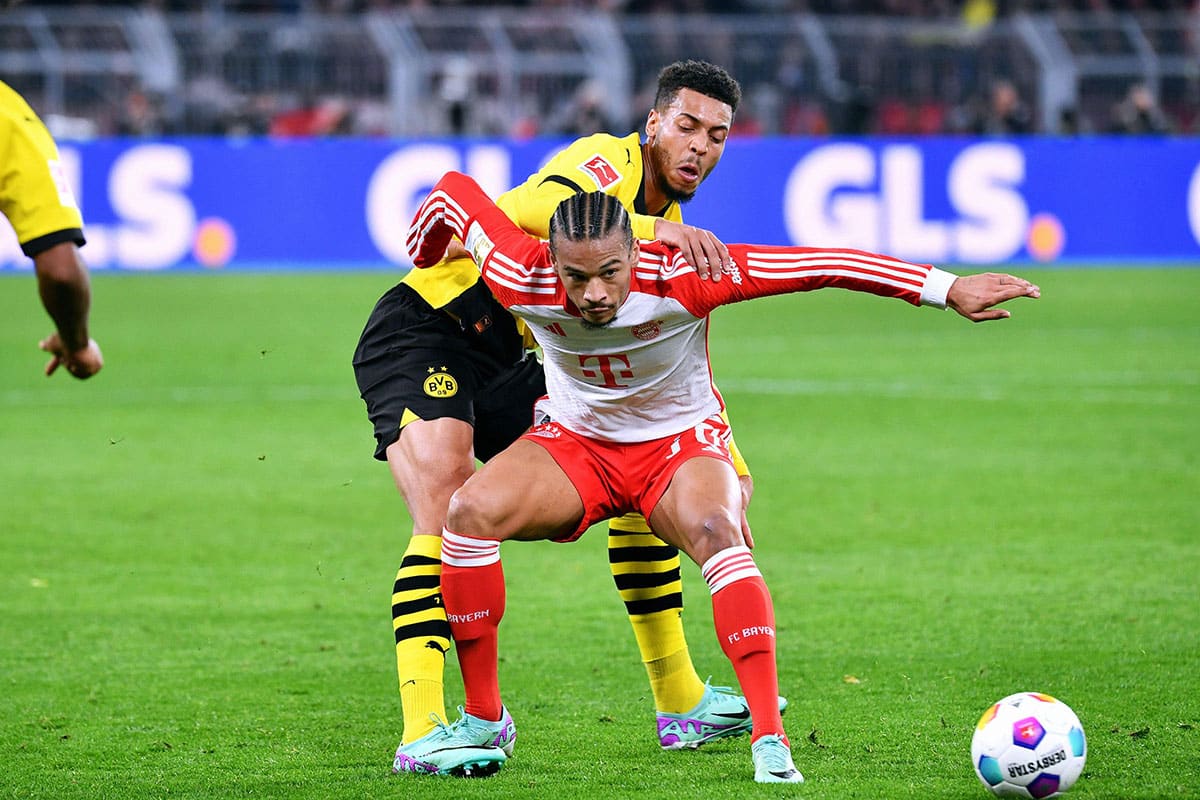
(412, 357)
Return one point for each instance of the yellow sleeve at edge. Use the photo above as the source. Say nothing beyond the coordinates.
(739, 463)
(643, 226)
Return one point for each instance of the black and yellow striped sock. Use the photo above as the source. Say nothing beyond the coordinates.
(646, 570)
(422, 635)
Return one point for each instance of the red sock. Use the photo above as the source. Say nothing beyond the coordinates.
(745, 621)
(473, 591)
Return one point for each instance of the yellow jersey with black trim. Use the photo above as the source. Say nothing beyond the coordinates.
(35, 195)
(601, 162)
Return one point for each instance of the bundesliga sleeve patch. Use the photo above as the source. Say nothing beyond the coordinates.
(601, 171)
(479, 244)
(66, 197)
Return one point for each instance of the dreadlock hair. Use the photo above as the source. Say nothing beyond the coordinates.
(699, 76)
(590, 215)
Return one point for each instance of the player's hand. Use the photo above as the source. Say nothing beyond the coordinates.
(456, 250)
(82, 363)
(700, 248)
(746, 483)
(974, 296)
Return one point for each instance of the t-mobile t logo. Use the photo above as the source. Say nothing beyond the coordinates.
(607, 371)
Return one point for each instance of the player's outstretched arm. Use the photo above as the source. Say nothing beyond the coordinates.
(66, 294)
(699, 247)
(975, 296)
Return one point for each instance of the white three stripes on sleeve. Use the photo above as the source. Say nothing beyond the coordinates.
(437, 207)
(534, 280)
(881, 270)
(653, 267)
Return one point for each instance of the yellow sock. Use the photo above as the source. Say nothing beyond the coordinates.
(646, 570)
(422, 635)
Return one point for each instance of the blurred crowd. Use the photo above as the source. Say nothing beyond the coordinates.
(781, 95)
(1000, 112)
(918, 8)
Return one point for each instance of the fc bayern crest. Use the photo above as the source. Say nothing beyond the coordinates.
(647, 330)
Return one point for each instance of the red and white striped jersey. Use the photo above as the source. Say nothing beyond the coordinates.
(646, 374)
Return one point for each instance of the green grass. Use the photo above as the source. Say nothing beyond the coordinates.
(198, 551)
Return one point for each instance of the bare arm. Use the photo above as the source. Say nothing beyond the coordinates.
(66, 294)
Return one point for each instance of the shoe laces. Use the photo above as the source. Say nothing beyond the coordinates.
(442, 727)
(708, 686)
(469, 725)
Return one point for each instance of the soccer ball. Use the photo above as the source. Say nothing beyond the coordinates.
(1028, 745)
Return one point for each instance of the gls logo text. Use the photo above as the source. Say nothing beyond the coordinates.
(842, 195)
(147, 191)
(403, 179)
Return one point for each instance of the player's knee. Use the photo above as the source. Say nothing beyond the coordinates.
(450, 479)
(427, 483)
(434, 464)
(713, 534)
(470, 513)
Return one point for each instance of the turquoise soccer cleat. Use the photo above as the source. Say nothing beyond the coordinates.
(470, 748)
(720, 714)
(773, 761)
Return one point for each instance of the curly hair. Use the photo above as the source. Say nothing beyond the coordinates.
(699, 76)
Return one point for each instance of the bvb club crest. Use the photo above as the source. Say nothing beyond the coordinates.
(440, 383)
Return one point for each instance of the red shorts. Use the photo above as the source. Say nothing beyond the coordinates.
(616, 478)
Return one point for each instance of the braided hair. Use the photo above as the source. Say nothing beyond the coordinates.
(590, 215)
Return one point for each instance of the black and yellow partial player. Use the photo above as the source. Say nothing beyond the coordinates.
(37, 200)
(447, 377)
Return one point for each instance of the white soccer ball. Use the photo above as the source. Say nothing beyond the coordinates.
(1028, 745)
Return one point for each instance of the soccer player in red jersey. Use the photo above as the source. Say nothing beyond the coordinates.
(634, 419)
(446, 378)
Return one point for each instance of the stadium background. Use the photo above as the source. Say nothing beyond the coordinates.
(198, 549)
(978, 132)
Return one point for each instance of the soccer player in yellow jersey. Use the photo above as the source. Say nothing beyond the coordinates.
(38, 202)
(446, 376)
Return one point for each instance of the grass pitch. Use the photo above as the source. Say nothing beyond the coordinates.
(198, 550)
